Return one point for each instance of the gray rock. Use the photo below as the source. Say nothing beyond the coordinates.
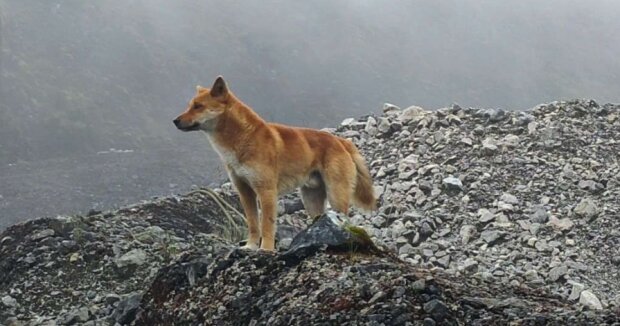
(79, 315)
(426, 230)
(467, 141)
(350, 134)
(378, 296)
(564, 224)
(384, 125)
(540, 215)
(531, 275)
(444, 261)
(127, 308)
(112, 298)
(5, 240)
(509, 199)
(371, 126)
(43, 234)
(152, 234)
(576, 265)
(469, 266)
(399, 292)
(492, 237)
(523, 118)
(406, 249)
(411, 113)
(510, 141)
(587, 208)
(389, 107)
(82, 314)
(535, 228)
(467, 233)
(492, 115)
(489, 146)
(329, 231)
(418, 285)
(531, 127)
(429, 322)
(541, 245)
(347, 122)
(575, 292)
(437, 309)
(485, 216)
(285, 243)
(588, 299)
(134, 257)
(587, 185)
(378, 221)
(9, 301)
(452, 184)
(504, 207)
(557, 272)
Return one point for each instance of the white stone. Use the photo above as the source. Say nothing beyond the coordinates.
(588, 299)
(9, 301)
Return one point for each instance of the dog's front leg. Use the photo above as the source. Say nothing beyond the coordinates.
(247, 197)
(268, 197)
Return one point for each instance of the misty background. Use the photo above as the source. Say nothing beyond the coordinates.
(88, 89)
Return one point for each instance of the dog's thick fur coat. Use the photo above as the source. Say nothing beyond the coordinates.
(264, 160)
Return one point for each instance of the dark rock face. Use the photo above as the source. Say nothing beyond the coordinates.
(247, 288)
(326, 231)
(54, 268)
(329, 232)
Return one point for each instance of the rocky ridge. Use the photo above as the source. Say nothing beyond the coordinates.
(72, 269)
(486, 216)
(523, 198)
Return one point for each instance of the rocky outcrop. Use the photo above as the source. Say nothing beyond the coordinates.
(335, 288)
(486, 217)
(75, 269)
(526, 198)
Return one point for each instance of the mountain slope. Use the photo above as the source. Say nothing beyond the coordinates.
(485, 217)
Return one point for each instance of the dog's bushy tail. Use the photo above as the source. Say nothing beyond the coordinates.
(363, 194)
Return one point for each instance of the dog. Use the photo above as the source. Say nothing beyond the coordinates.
(264, 160)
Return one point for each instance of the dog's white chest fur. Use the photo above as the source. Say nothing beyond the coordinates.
(230, 160)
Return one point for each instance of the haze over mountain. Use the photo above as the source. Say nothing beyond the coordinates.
(81, 77)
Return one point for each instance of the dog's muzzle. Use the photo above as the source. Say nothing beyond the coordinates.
(181, 126)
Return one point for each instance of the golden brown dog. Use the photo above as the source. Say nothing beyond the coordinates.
(264, 160)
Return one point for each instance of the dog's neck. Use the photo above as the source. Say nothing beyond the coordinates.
(237, 122)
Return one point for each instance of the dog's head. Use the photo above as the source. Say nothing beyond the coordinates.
(206, 105)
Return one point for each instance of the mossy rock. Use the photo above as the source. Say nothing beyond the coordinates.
(330, 232)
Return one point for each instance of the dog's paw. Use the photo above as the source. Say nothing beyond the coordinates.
(249, 246)
(267, 251)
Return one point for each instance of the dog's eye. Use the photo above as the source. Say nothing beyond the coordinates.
(197, 106)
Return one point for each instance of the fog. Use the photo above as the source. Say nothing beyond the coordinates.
(79, 78)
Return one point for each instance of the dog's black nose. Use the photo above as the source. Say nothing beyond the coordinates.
(176, 121)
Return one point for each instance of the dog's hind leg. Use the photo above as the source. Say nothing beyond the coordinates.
(314, 199)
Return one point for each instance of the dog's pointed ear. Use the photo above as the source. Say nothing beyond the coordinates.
(219, 87)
